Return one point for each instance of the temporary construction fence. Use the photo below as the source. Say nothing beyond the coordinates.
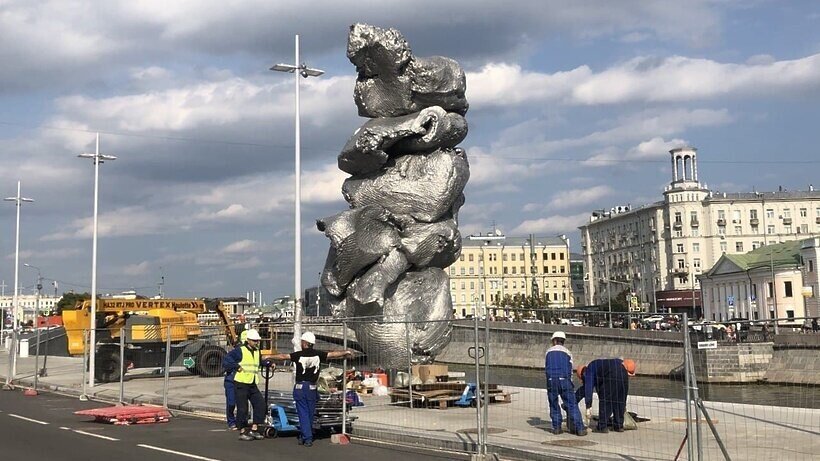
(434, 407)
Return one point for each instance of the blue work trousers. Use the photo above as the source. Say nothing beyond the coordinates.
(563, 387)
(613, 388)
(230, 403)
(305, 395)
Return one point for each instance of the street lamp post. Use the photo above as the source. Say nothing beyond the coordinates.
(37, 371)
(18, 200)
(304, 71)
(98, 158)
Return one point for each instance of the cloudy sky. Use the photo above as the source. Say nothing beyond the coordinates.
(573, 106)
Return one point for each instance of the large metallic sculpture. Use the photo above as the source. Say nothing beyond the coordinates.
(388, 252)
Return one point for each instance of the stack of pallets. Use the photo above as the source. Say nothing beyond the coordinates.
(443, 395)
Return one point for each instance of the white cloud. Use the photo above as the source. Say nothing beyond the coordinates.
(643, 79)
(141, 268)
(578, 197)
(242, 246)
(551, 225)
(50, 254)
(248, 263)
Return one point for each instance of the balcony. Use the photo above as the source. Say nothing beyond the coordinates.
(677, 225)
(787, 221)
(721, 222)
(754, 222)
(817, 220)
(695, 223)
(680, 271)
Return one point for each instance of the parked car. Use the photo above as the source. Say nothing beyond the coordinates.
(572, 322)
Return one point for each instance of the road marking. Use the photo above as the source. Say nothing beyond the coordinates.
(104, 437)
(65, 428)
(27, 419)
(151, 447)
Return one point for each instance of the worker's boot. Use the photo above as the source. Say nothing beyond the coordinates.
(246, 437)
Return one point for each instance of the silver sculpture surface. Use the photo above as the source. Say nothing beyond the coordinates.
(388, 252)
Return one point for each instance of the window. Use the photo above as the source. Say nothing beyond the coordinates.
(522, 257)
(787, 213)
(790, 314)
(787, 286)
(554, 270)
(755, 231)
(546, 270)
(721, 214)
(678, 218)
(804, 229)
(723, 247)
(695, 232)
(505, 270)
(770, 229)
(504, 257)
(512, 257)
(787, 228)
(738, 230)
(461, 258)
(817, 211)
(739, 247)
(811, 265)
(463, 271)
(563, 269)
(554, 284)
(452, 270)
(472, 271)
(552, 256)
(769, 213)
(756, 245)
(680, 247)
(736, 216)
(752, 214)
(463, 298)
(678, 233)
(515, 284)
(770, 289)
(721, 230)
(681, 264)
(561, 256)
(693, 216)
(696, 263)
(514, 270)
(696, 247)
(803, 212)
(472, 285)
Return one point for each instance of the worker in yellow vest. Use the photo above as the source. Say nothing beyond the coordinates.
(244, 362)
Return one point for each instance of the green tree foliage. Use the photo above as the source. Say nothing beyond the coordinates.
(70, 300)
(620, 303)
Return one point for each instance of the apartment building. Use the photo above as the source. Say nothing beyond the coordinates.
(493, 266)
(658, 250)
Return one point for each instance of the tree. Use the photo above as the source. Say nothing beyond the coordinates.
(620, 303)
(70, 300)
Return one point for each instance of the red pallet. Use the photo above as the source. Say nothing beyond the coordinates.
(127, 414)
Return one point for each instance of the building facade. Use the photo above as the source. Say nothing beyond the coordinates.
(27, 305)
(658, 250)
(774, 281)
(493, 267)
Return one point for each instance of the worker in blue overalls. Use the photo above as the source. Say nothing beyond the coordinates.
(558, 368)
(307, 361)
(610, 379)
(230, 394)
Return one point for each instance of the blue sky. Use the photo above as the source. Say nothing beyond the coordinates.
(574, 105)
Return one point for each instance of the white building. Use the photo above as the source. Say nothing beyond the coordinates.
(764, 283)
(28, 305)
(655, 249)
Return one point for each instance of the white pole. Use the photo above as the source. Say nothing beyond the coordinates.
(93, 336)
(297, 276)
(14, 301)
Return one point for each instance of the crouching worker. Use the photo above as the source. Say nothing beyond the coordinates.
(244, 362)
(307, 362)
(610, 379)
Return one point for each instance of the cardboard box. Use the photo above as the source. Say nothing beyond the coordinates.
(428, 373)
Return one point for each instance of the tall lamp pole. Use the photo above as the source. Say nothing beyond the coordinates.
(298, 69)
(98, 158)
(18, 201)
(37, 371)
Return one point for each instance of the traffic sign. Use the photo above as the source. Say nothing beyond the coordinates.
(707, 344)
(188, 362)
(731, 300)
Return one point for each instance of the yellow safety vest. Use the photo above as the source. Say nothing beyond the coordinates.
(249, 365)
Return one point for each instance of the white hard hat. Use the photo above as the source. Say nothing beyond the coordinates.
(559, 334)
(253, 335)
(309, 337)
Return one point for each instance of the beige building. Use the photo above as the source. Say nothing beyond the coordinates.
(27, 305)
(775, 281)
(655, 249)
(493, 266)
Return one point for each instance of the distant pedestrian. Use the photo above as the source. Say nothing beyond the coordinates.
(307, 362)
(558, 369)
(610, 379)
(815, 327)
(244, 361)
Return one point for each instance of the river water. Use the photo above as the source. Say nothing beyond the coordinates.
(755, 394)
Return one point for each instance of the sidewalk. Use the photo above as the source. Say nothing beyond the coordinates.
(517, 429)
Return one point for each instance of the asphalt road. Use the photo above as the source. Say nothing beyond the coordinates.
(45, 428)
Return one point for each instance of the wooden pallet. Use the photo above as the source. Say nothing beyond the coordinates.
(442, 395)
